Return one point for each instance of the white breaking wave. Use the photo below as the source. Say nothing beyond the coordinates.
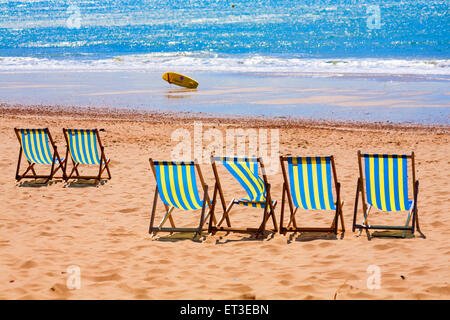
(205, 61)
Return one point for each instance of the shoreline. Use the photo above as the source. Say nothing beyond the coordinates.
(123, 114)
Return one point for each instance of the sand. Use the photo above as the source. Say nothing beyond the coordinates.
(104, 230)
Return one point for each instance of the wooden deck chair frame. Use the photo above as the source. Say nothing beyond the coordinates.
(360, 189)
(292, 225)
(56, 160)
(169, 209)
(103, 165)
(269, 205)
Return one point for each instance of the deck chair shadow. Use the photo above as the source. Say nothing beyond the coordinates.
(246, 171)
(39, 149)
(176, 186)
(383, 185)
(308, 185)
(85, 148)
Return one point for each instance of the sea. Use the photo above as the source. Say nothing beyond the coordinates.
(258, 43)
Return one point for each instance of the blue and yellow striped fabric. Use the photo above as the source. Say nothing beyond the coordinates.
(245, 171)
(177, 184)
(35, 146)
(83, 146)
(310, 182)
(387, 181)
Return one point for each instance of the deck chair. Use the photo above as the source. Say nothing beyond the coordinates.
(245, 171)
(39, 149)
(386, 189)
(82, 144)
(308, 184)
(176, 185)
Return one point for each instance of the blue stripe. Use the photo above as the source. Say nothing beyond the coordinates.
(194, 186)
(330, 188)
(377, 181)
(177, 187)
(186, 187)
(168, 185)
(396, 189)
(36, 146)
(292, 183)
(301, 184)
(159, 183)
(386, 183)
(405, 182)
(91, 155)
(94, 147)
(250, 181)
(368, 181)
(238, 178)
(47, 151)
(30, 149)
(310, 183)
(84, 146)
(320, 182)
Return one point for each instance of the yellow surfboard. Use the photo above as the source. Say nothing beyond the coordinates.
(180, 80)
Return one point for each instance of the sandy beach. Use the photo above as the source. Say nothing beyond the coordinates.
(104, 230)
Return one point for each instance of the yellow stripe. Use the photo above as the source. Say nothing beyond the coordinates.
(38, 145)
(315, 182)
(372, 181)
(191, 189)
(80, 136)
(382, 185)
(94, 148)
(47, 151)
(86, 138)
(74, 156)
(401, 196)
(306, 182)
(241, 175)
(325, 183)
(391, 183)
(33, 149)
(172, 187)
(182, 188)
(296, 181)
(164, 187)
(250, 173)
(25, 147)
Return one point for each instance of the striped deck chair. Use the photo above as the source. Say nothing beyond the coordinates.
(245, 171)
(85, 147)
(176, 185)
(39, 149)
(308, 184)
(386, 189)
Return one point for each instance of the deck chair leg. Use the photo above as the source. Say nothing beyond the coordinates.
(292, 219)
(366, 215)
(225, 215)
(408, 218)
(283, 199)
(152, 217)
(415, 223)
(202, 216)
(18, 164)
(342, 217)
(262, 227)
(355, 209)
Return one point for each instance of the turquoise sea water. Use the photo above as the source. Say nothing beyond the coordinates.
(389, 36)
